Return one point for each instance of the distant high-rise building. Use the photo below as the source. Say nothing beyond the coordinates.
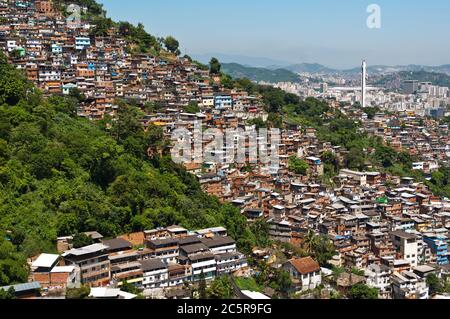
(363, 84)
(410, 86)
(324, 87)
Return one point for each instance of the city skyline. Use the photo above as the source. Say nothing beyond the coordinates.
(289, 32)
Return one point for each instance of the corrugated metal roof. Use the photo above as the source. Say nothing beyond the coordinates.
(23, 287)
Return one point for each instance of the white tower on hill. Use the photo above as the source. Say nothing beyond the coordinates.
(363, 84)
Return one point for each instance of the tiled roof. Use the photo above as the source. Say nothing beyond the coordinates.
(305, 265)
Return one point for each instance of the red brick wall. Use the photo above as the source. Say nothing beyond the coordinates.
(59, 278)
(43, 278)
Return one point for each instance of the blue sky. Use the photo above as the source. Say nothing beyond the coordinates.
(331, 32)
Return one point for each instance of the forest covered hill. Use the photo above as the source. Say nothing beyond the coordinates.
(61, 175)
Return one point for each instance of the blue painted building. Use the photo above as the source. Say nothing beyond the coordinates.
(57, 49)
(82, 42)
(223, 102)
(439, 246)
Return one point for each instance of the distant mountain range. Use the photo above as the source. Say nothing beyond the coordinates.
(259, 74)
(374, 69)
(387, 76)
(315, 68)
(257, 62)
(384, 69)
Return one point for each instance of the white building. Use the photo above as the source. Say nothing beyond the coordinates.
(49, 75)
(406, 245)
(230, 262)
(220, 244)
(378, 276)
(408, 285)
(203, 263)
(306, 272)
(11, 45)
(156, 274)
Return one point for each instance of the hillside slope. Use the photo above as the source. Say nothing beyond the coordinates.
(60, 175)
(395, 80)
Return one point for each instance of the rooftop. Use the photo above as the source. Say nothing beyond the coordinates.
(45, 261)
(305, 265)
(153, 264)
(95, 248)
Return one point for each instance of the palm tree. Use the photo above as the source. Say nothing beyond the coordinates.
(310, 241)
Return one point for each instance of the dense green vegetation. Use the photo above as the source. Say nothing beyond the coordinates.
(214, 66)
(12, 264)
(172, 44)
(62, 175)
(438, 285)
(78, 293)
(8, 294)
(276, 278)
(361, 291)
(319, 247)
(440, 182)
(220, 288)
(248, 284)
(259, 74)
(81, 240)
(298, 166)
(192, 107)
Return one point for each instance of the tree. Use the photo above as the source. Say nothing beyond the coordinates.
(77, 94)
(130, 288)
(214, 66)
(260, 229)
(371, 111)
(202, 287)
(257, 122)
(298, 166)
(81, 240)
(386, 155)
(78, 293)
(283, 280)
(12, 264)
(102, 26)
(192, 107)
(275, 120)
(274, 99)
(330, 162)
(13, 84)
(8, 294)
(227, 81)
(361, 291)
(434, 284)
(323, 250)
(127, 122)
(171, 44)
(355, 159)
(358, 272)
(220, 288)
(318, 246)
(310, 241)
